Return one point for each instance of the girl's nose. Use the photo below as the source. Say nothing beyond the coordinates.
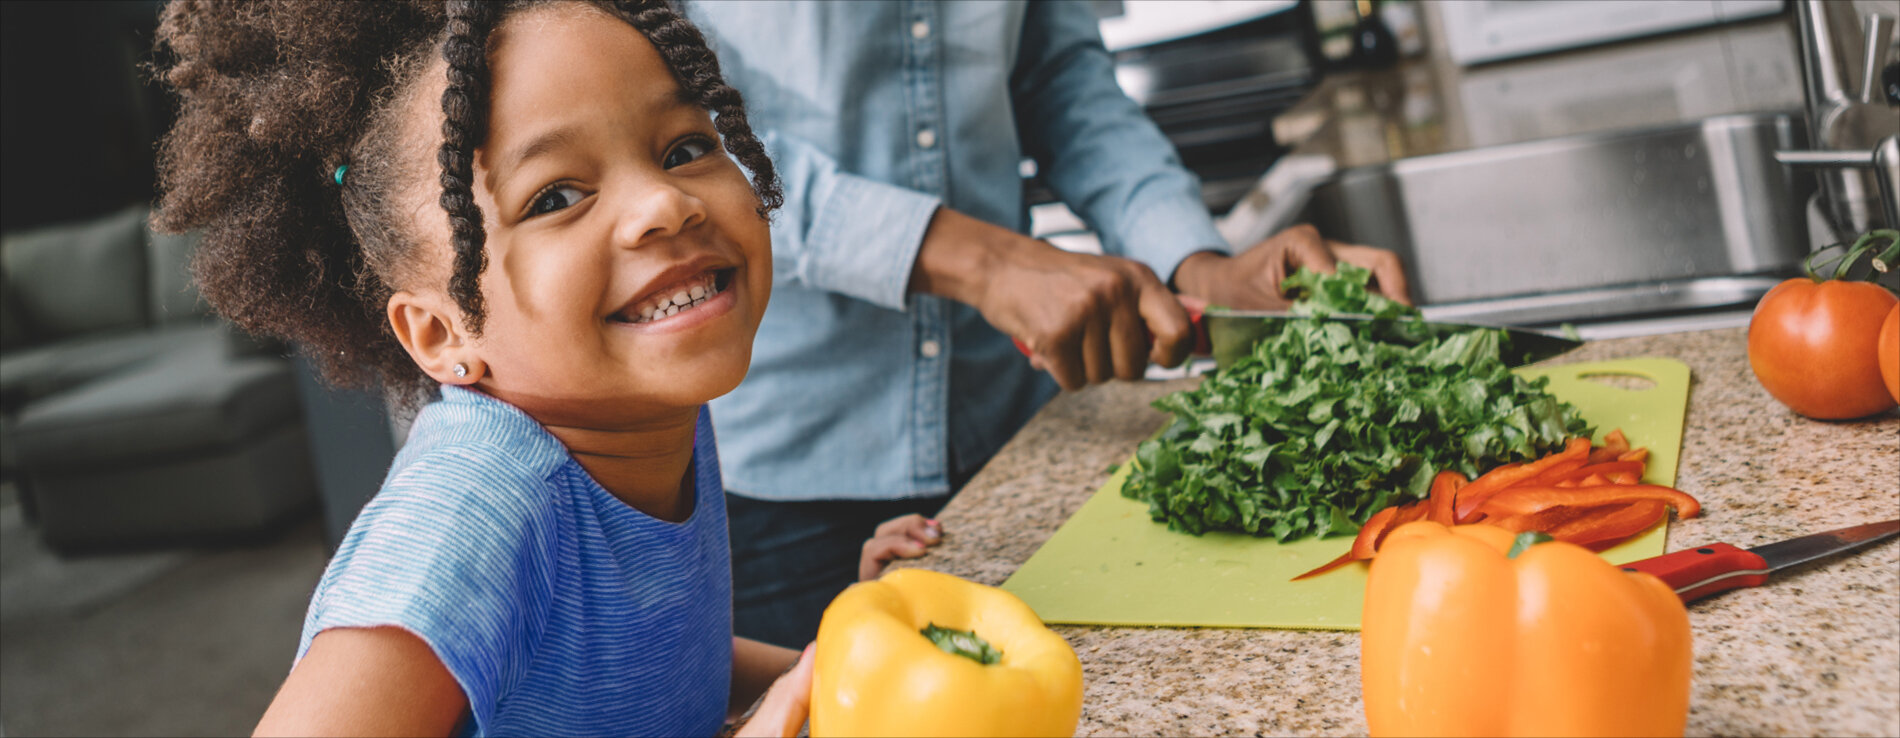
(658, 210)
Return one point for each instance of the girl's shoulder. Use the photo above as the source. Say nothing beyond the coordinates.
(473, 467)
(471, 433)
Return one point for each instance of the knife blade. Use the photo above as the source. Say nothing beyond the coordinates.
(1232, 333)
(1228, 335)
(1698, 572)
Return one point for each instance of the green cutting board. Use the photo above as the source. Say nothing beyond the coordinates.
(1112, 565)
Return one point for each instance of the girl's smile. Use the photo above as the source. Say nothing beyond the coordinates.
(628, 266)
(676, 295)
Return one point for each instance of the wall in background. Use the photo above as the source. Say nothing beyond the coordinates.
(79, 118)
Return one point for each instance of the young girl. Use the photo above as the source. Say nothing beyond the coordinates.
(526, 205)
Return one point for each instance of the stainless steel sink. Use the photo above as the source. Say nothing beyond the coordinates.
(1584, 228)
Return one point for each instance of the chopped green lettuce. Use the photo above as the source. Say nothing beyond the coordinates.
(1326, 422)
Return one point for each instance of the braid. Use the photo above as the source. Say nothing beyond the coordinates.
(464, 125)
(696, 69)
(275, 95)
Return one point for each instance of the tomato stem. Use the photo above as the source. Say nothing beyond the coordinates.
(1883, 260)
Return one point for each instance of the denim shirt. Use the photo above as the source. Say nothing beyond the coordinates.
(876, 113)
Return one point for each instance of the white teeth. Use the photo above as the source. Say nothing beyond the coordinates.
(670, 305)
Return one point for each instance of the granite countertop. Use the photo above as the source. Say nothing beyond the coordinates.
(1814, 652)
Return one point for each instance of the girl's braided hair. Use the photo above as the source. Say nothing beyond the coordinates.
(276, 95)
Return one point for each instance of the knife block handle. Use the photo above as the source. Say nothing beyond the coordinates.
(1698, 572)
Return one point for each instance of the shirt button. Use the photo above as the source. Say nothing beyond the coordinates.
(926, 138)
(930, 349)
(920, 30)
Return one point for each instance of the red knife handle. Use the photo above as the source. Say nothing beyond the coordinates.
(1203, 346)
(1698, 572)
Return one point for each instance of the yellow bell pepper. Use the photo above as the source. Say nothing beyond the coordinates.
(999, 671)
(1458, 639)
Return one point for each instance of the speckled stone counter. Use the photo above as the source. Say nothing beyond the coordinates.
(1814, 652)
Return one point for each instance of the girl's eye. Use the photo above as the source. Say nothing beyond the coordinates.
(554, 198)
(687, 151)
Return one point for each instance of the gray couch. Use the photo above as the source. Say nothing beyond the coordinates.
(131, 416)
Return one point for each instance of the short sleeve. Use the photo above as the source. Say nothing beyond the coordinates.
(457, 548)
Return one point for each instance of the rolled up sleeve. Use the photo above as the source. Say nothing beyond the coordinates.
(842, 232)
(1098, 150)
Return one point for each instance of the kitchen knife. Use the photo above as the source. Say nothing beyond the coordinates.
(1228, 335)
(1231, 334)
(1699, 572)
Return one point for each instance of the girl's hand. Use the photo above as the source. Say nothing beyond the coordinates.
(781, 714)
(905, 537)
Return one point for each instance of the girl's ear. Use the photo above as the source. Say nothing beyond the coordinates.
(428, 330)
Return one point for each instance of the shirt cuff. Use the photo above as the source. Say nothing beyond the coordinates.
(1167, 232)
(864, 241)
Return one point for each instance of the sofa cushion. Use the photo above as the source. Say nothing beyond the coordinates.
(14, 330)
(174, 297)
(186, 403)
(34, 373)
(80, 278)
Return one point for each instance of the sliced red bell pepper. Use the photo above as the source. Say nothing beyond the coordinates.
(1557, 473)
(1524, 500)
(1605, 528)
(1504, 477)
(1605, 469)
(1408, 513)
(1444, 495)
(1614, 444)
(1362, 545)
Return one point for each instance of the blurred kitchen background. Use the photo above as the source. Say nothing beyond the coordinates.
(170, 488)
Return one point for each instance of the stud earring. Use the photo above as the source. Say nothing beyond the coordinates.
(461, 370)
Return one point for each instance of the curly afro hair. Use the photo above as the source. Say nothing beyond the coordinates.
(276, 95)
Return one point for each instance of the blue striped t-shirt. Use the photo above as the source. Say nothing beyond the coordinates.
(558, 608)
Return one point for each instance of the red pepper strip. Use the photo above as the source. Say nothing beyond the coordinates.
(1610, 525)
(1407, 514)
(1344, 559)
(1614, 445)
(1641, 454)
(1543, 520)
(1509, 475)
(1605, 470)
(1361, 545)
(1624, 479)
(1557, 473)
(1523, 500)
(1445, 488)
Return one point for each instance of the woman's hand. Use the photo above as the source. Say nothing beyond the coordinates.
(1085, 319)
(782, 713)
(1251, 279)
(906, 537)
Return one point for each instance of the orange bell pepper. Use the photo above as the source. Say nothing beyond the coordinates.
(1457, 639)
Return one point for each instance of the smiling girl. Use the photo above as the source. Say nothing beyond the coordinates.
(525, 207)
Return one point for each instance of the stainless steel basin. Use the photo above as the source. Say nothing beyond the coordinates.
(1584, 228)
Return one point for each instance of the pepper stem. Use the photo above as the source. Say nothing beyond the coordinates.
(963, 643)
(1526, 540)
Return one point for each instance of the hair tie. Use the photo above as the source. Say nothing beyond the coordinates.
(340, 169)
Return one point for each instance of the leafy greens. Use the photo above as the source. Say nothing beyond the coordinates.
(1326, 422)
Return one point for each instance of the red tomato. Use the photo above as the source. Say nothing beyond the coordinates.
(1812, 347)
(1889, 352)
